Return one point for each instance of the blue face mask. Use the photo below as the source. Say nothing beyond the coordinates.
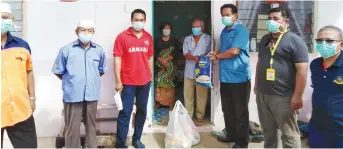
(196, 31)
(273, 26)
(227, 21)
(326, 50)
(85, 38)
(6, 25)
(138, 26)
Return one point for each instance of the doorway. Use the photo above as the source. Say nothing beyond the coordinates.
(180, 15)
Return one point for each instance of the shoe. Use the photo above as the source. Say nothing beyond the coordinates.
(121, 146)
(219, 133)
(237, 145)
(138, 144)
(225, 139)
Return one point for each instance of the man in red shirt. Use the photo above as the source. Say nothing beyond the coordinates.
(133, 66)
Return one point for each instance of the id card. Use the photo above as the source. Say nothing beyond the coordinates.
(270, 74)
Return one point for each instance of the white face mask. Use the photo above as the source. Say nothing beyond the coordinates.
(166, 32)
(138, 26)
(85, 38)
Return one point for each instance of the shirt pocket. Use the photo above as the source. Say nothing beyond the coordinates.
(21, 60)
(96, 63)
(71, 61)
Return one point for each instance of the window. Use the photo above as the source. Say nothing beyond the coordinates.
(254, 15)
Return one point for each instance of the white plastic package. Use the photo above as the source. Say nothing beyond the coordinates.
(181, 131)
(117, 100)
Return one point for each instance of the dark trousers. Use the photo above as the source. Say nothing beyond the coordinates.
(129, 93)
(22, 134)
(235, 99)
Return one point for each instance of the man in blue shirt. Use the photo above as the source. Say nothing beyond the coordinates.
(235, 86)
(326, 123)
(79, 65)
(195, 45)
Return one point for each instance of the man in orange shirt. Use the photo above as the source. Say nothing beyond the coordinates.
(17, 86)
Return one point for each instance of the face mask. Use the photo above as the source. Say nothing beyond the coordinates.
(166, 32)
(273, 26)
(138, 26)
(6, 25)
(227, 21)
(326, 50)
(85, 38)
(196, 31)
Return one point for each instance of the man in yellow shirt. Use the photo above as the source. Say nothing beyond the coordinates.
(17, 86)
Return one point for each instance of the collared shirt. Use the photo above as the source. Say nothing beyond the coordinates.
(80, 69)
(135, 53)
(189, 46)
(327, 97)
(235, 69)
(292, 49)
(15, 62)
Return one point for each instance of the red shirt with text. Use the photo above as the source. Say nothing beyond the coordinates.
(135, 53)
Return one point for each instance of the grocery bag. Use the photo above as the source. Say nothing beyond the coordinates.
(203, 72)
(181, 131)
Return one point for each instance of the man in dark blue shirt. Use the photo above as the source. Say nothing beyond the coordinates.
(326, 124)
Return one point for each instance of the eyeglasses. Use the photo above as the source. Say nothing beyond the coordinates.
(327, 41)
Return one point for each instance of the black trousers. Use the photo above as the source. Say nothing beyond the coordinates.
(21, 135)
(235, 99)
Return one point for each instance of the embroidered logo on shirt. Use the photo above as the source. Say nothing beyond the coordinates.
(146, 42)
(338, 80)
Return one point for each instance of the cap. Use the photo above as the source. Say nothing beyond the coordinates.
(4, 7)
(86, 23)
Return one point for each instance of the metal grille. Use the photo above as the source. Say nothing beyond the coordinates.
(254, 14)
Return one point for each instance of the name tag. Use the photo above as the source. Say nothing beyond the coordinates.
(270, 74)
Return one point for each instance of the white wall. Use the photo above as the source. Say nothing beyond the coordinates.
(51, 25)
(330, 13)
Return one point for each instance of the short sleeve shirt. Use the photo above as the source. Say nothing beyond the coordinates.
(236, 69)
(327, 97)
(80, 69)
(292, 49)
(15, 63)
(135, 53)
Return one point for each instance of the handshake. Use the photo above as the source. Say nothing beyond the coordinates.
(213, 55)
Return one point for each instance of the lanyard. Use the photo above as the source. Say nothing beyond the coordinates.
(272, 50)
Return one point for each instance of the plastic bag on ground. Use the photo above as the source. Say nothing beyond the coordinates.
(181, 131)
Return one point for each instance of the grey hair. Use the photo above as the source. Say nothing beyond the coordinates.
(337, 29)
(202, 24)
